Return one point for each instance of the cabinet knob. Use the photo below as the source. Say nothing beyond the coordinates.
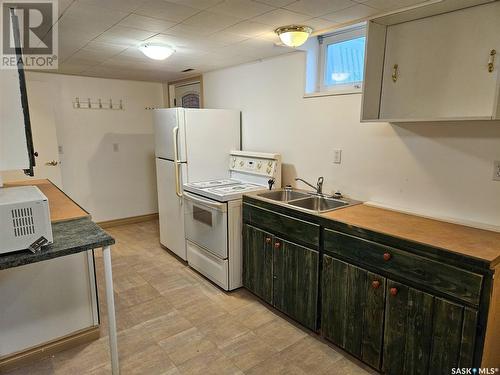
(393, 291)
(375, 284)
(268, 240)
(387, 256)
(277, 245)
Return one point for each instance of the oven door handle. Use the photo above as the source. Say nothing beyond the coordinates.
(215, 205)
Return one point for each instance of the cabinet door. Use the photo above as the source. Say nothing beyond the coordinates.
(295, 284)
(257, 262)
(353, 309)
(425, 334)
(442, 66)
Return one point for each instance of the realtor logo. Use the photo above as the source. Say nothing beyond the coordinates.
(32, 26)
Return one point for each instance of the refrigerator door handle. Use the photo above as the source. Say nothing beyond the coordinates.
(178, 191)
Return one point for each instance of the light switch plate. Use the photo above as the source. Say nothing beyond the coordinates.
(496, 170)
(337, 156)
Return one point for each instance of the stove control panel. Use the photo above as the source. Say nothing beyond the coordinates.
(266, 167)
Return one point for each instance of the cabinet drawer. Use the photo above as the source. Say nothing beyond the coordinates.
(288, 227)
(450, 280)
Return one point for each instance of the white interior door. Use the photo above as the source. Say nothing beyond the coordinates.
(42, 98)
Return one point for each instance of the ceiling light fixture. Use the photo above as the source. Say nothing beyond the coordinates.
(156, 51)
(293, 35)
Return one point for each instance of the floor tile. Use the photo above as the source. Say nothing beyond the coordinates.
(186, 345)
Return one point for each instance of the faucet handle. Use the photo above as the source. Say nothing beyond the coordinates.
(271, 182)
(320, 180)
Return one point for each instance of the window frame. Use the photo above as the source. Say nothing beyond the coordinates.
(337, 37)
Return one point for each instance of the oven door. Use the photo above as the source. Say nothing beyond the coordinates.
(205, 222)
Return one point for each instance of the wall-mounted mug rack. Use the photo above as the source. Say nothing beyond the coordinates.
(87, 103)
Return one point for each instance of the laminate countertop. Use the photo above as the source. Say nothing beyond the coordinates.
(472, 242)
(62, 207)
(72, 228)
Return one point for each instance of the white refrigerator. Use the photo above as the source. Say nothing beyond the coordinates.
(190, 145)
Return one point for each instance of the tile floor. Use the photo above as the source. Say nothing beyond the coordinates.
(171, 320)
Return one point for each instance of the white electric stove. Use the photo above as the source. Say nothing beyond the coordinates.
(213, 215)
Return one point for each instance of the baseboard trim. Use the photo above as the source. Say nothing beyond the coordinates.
(127, 220)
(51, 347)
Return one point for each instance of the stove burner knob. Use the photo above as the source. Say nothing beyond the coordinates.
(242, 163)
(270, 163)
(259, 164)
(268, 170)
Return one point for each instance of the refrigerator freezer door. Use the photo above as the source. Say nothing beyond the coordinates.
(211, 134)
(166, 120)
(171, 211)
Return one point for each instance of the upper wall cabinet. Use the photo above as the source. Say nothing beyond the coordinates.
(433, 63)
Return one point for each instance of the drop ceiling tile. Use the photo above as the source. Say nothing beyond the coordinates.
(64, 6)
(165, 10)
(227, 38)
(317, 8)
(211, 20)
(319, 24)
(86, 58)
(178, 42)
(120, 35)
(80, 13)
(137, 21)
(241, 8)
(122, 5)
(183, 30)
(103, 49)
(389, 5)
(198, 4)
(276, 3)
(281, 17)
(357, 12)
(249, 28)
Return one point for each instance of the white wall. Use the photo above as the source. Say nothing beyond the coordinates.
(109, 184)
(442, 170)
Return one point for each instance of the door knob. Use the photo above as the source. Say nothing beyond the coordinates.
(52, 163)
(277, 245)
(375, 284)
(393, 291)
(268, 240)
(387, 256)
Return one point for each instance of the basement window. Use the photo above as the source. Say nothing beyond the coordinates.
(342, 57)
(338, 60)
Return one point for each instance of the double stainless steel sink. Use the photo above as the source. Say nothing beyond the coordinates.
(307, 201)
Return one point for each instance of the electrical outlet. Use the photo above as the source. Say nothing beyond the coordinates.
(116, 147)
(496, 170)
(337, 156)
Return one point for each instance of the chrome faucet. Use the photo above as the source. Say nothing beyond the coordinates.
(318, 187)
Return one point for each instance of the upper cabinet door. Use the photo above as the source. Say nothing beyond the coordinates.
(434, 68)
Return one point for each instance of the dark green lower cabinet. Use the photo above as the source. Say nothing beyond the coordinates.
(281, 273)
(295, 286)
(425, 334)
(258, 262)
(353, 309)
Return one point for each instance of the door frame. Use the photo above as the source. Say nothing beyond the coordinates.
(170, 89)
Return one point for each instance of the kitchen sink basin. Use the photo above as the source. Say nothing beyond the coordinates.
(320, 204)
(283, 195)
